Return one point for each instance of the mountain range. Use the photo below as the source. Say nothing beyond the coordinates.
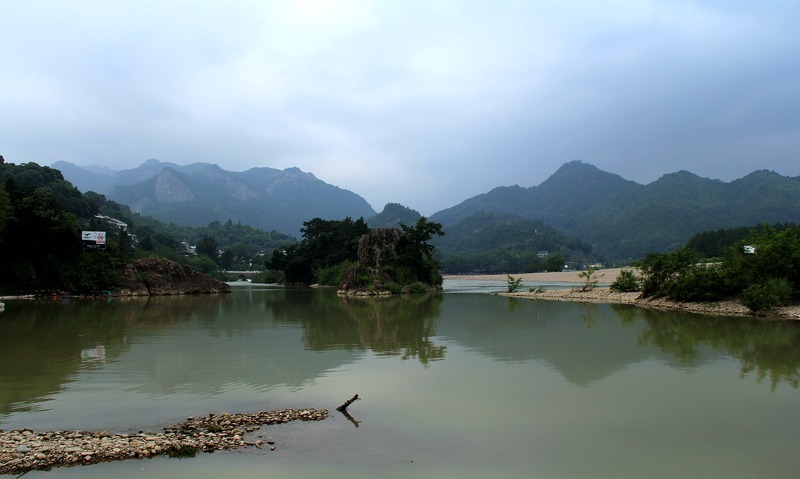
(199, 193)
(620, 218)
(623, 219)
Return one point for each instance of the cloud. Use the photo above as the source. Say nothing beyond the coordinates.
(423, 103)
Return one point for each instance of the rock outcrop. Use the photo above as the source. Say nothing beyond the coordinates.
(378, 264)
(153, 276)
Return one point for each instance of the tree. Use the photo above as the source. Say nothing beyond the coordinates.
(207, 245)
(416, 252)
(554, 262)
(325, 243)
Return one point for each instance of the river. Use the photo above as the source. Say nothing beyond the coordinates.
(459, 385)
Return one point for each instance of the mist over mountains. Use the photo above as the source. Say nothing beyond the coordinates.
(199, 193)
(621, 219)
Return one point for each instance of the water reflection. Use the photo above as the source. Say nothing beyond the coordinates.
(771, 350)
(267, 338)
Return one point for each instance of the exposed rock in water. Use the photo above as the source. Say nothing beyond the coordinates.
(25, 450)
(153, 276)
(378, 253)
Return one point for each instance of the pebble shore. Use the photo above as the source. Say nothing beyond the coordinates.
(25, 450)
(605, 295)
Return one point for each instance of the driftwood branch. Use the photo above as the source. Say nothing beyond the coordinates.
(347, 403)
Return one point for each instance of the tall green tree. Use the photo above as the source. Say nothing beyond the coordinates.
(208, 246)
(416, 250)
(325, 243)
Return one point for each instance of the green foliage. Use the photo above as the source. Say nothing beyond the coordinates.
(763, 270)
(497, 243)
(589, 279)
(41, 216)
(334, 274)
(325, 243)
(767, 294)
(660, 272)
(626, 282)
(415, 250)
(554, 263)
(715, 244)
(582, 201)
(208, 246)
(700, 282)
(513, 284)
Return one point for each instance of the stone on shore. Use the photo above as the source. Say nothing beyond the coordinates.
(25, 450)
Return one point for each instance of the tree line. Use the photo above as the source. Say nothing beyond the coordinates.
(762, 270)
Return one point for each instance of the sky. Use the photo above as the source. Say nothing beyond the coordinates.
(424, 103)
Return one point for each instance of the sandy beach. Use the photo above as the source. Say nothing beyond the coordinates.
(605, 295)
(602, 275)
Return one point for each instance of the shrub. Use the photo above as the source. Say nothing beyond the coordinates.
(513, 284)
(626, 282)
(590, 281)
(767, 294)
(660, 272)
(334, 274)
(699, 283)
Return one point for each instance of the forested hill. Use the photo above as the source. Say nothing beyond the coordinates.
(491, 243)
(623, 219)
(200, 193)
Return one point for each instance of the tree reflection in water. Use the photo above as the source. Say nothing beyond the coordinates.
(768, 349)
(396, 325)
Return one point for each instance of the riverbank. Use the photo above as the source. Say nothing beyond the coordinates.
(26, 450)
(605, 295)
(603, 275)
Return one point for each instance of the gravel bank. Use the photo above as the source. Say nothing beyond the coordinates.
(605, 295)
(25, 450)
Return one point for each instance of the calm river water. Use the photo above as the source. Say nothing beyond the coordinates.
(459, 385)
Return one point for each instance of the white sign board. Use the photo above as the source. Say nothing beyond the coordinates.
(94, 239)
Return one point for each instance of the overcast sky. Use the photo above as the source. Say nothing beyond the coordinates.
(425, 103)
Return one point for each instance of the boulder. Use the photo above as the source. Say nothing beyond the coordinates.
(153, 276)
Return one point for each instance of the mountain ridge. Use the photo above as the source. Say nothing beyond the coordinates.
(621, 218)
(199, 193)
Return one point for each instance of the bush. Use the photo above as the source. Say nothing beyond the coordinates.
(626, 282)
(767, 295)
(334, 274)
(513, 283)
(660, 272)
(699, 283)
(589, 279)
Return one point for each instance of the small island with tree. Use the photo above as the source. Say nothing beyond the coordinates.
(359, 261)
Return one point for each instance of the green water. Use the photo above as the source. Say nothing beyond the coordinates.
(453, 386)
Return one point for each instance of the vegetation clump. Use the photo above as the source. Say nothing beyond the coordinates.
(347, 254)
(589, 279)
(626, 282)
(763, 271)
(513, 284)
